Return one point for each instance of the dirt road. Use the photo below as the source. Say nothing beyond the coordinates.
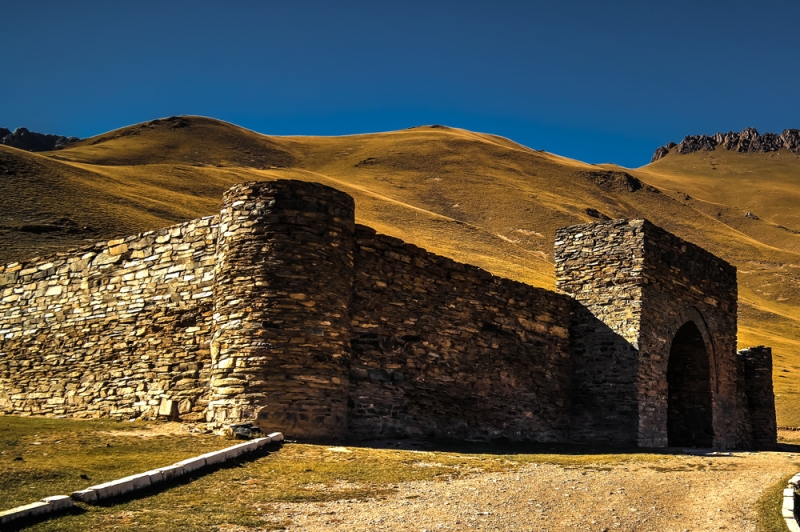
(678, 493)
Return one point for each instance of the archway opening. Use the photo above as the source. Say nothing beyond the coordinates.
(689, 419)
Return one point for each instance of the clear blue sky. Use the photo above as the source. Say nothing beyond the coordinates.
(595, 80)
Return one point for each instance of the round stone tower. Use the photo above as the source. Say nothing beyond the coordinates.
(280, 345)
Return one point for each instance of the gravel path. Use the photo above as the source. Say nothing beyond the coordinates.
(679, 493)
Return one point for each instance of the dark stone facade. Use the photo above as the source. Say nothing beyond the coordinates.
(446, 349)
(282, 310)
(655, 343)
(757, 362)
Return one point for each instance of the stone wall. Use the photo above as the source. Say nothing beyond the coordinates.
(115, 329)
(445, 349)
(760, 396)
(289, 317)
(283, 311)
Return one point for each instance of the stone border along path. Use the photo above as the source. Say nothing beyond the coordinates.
(123, 486)
(789, 498)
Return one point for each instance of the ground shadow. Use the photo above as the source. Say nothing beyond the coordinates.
(506, 447)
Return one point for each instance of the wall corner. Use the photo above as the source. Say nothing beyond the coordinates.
(280, 342)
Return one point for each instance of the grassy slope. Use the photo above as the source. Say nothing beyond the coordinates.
(477, 198)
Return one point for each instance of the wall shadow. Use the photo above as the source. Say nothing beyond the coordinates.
(604, 403)
(505, 447)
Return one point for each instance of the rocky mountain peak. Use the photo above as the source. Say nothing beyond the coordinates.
(27, 140)
(748, 141)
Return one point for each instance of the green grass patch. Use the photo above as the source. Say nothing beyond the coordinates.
(768, 508)
(40, 457)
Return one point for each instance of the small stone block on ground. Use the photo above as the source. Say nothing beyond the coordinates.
(59, 502)
(788, 503)
(249, 446)
(243, 448)
(216, 457)
(171, 472)
(232, 453)
(21, 512)
(100, 491)
(113, 488)
(192, 464)
(140, 481)
(155, 475)
(87, 495)
(168, 409)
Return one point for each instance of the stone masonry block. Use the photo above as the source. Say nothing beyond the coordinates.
(155, 475)
(240, 449)
(115, 488)
(59, 502)
(88, 495)
(249, 446)
(24, 512)
(231, 453)
(192, 464)
(139, 481)
(171, 472)
(213, 458)
(261, 442)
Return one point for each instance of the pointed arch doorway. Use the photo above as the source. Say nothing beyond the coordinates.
(689, 404)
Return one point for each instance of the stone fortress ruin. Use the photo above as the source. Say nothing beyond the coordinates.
(281, 310)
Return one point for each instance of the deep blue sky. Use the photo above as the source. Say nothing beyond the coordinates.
(596, 80)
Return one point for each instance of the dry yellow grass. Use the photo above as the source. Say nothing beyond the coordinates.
(477, 198)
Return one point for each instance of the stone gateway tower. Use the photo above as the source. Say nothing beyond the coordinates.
(654, 341)
(283, 311)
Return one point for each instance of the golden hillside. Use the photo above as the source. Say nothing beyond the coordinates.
(477, 198)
